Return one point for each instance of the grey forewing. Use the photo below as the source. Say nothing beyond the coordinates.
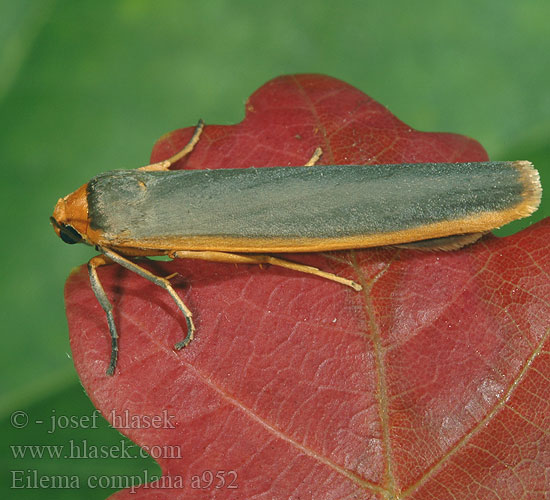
(296, 202)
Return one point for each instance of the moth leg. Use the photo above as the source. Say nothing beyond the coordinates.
(166, 164)
(97, 287)
(315, 157)
(163, 283)
(236, 258)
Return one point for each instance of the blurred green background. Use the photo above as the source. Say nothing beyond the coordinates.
(87, 87)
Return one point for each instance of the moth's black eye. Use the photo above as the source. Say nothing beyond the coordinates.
(69, 234)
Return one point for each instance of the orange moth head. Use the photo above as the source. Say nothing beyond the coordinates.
(70, 216)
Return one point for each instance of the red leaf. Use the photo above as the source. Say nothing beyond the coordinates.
(432, 384)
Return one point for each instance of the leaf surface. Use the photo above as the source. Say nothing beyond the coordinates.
(432, 383)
